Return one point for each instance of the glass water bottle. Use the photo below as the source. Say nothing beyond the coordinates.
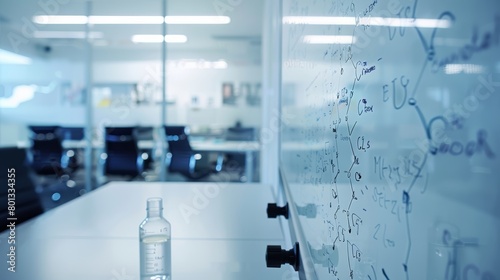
(155, 243)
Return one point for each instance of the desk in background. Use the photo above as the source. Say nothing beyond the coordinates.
(219, 231)
(246, 147)
(215, 145)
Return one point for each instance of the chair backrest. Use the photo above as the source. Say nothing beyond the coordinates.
(178, 139)
(183, 163)
(46, 150)
(120, 131)
(122, 152)
(240, 134)
(44, 129)
(27, 203)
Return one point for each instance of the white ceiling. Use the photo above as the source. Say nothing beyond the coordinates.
(239, 41)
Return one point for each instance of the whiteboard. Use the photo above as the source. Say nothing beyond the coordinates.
(390, 143)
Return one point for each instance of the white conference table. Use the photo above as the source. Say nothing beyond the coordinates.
(208, 145)
(219, 231)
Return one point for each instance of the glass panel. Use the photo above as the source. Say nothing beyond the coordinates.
(214, 79)
(42, 84)
(126, 90)
(213, 73)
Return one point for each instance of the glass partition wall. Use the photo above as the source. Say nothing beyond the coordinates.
(213, 74)
(127, 88)
(42, 84)
(52, 53)
(214, 80)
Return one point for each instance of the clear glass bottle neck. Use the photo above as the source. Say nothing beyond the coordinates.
(154, 207)
(154, 213)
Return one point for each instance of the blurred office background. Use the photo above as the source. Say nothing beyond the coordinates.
(52, 51)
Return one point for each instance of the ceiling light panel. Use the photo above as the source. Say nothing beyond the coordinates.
(197, 19)
(67, 19)
(66, 34)
(327, 39)
(7, 57)
(154, 38)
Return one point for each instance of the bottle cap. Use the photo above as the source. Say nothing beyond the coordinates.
(154, 203)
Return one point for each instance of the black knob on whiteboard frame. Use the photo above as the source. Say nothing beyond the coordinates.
(273, 210)
(275, 256)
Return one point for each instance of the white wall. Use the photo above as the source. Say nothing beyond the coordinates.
(182, 84)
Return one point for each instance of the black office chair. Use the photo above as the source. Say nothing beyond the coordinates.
(236, 162)
(46, 152)
(27, 203)
(122, 155)
(181, 158)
